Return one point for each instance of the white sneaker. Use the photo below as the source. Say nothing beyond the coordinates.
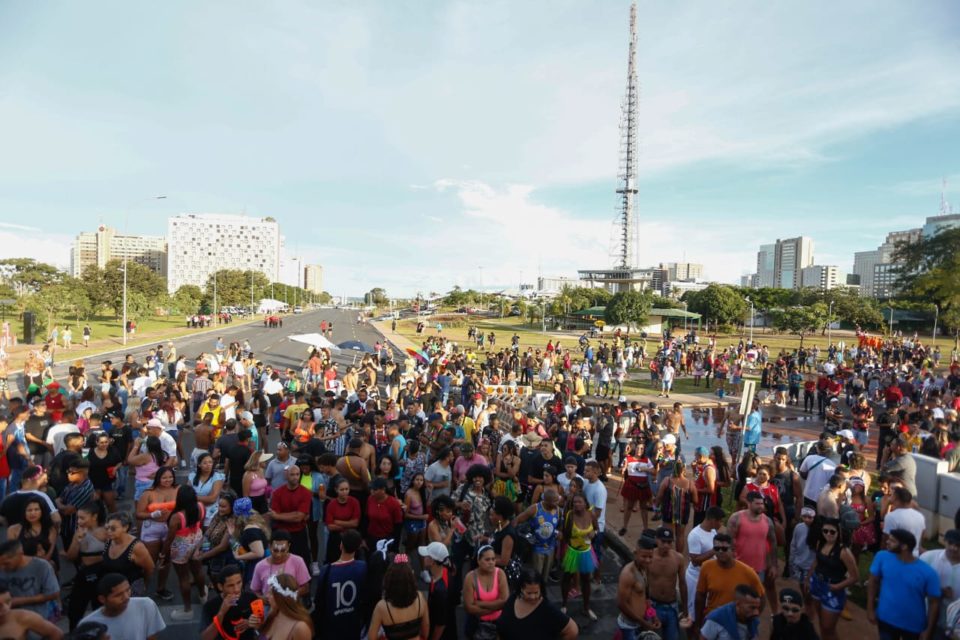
(180, 614)
(315, 568)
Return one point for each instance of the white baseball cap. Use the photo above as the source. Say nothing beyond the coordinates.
(246, 415)
(436, 551)
(669, 439)
(847, 434)
(153, 422)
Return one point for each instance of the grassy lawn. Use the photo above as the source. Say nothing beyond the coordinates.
(102, 327)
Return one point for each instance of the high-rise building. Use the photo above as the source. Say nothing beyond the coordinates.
(936, 224)
(683, 271)
(821, 276)
(791, 256)
(871, 264)
(766, 266)
(199, 244)
(96, 248)
(313, 278)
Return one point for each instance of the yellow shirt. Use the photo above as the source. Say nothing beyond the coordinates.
(469, 426)
(293, 412)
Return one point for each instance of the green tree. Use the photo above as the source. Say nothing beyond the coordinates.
(719, 304)
(800, 321)
(377, 296)
(26, 275)
(630, 308)
(139, 306)
(930, 271)
(533, 312)
(104, 287)
(186, 299)
(235, 287)
(854, 309)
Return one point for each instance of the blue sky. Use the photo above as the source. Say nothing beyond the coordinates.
(417, 145)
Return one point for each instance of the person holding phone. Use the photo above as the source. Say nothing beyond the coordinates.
(225, 615)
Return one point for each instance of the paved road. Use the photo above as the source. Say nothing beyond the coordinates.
(273, 347)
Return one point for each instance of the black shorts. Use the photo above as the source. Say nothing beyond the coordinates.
(603, 453)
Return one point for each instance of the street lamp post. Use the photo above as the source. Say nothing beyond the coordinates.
(751, 320)
(829, 325)
(936, 316)
(125, 217)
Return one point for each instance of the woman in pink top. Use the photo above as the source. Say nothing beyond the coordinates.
(485, 591)
(181, 547)
(254, 481)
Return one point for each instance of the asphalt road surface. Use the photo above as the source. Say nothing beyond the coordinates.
(273, 347)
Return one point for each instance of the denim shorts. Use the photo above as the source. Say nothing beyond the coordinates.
(832, 601)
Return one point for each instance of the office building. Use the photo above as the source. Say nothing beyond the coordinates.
(313, 278)
(686, 271)
(936, 224)
(821, 276)
(790, 258)
(548, 284)
(201, 244)
(766, 265)
(868, 265)
(96, 248)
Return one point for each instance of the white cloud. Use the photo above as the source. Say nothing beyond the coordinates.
(44, 247)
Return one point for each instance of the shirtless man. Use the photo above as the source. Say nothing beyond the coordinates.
(632, 592)
(832, 496)
(203, 437)
(675, 422)
(17, 623)
(353, 466)
(664, 572)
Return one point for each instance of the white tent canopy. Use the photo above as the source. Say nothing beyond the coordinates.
(269, 305)
(315, 340)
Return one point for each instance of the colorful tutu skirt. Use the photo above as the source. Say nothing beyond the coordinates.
(575, 561)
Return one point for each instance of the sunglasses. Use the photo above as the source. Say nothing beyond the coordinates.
(721, 549)
(829, 532)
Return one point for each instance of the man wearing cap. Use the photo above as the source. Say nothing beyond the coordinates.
(276, 472)
(155, 428)
(664, 573)
(792, 623)
(817, 468)
(441, 604)
(834, 415)
(902, 464)
(847, 445)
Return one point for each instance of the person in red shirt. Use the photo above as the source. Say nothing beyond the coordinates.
(290, 510)
(822, 383)
(892, 395)
(384, 514)
(340, 514)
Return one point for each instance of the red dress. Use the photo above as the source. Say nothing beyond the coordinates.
(866, 533)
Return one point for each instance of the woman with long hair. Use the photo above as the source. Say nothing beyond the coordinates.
(415, 515)
(126, 554)
(249, 536)
(172, 420)
(579, 530)
(37, 534)
(834, 569)
(260, 408)
(104, 462)
(86, 552)
(402, 612)
(146, 464)
(207, 482)
(387, 469)
(215, 551)
(153, 511)
(182, 547)
(288, 619)
(724, 475)
(255, 482)
(506, 472)
(675, 497)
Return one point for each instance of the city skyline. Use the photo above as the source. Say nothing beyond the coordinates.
(346, 125)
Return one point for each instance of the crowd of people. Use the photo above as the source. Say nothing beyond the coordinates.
(373, 502)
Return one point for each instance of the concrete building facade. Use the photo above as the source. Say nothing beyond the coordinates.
(201, 244)
(96, 248)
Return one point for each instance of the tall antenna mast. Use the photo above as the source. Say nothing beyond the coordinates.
(627, 253)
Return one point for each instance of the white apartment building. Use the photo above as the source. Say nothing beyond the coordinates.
(96, 248)
(822, 277)
(200, 244)
(313, 278)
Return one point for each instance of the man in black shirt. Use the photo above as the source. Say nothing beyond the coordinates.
(441, 601)
(237, 456)
(225, 615)
(226, 440)
(36, 429)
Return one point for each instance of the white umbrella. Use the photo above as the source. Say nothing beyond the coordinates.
(315, 340)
